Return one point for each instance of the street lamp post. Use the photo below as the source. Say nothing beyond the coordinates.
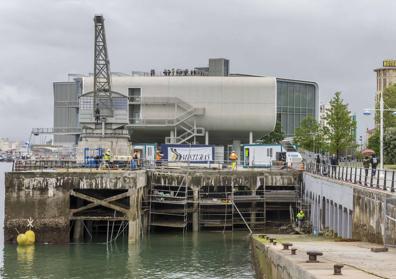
(381, 109)
(382, 130)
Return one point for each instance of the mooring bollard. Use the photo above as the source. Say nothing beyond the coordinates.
(293, 251)
(274, 243)
(337, 269)
(286, 246)
(379, 249)
(312, 256)
(271, 240)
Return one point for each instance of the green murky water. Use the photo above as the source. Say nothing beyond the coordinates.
(165, 255)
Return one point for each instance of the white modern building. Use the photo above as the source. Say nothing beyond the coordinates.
(207, 105)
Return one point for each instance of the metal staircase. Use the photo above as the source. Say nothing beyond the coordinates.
(183, 124)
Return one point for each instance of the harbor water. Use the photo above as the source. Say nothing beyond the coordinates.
(158, 255)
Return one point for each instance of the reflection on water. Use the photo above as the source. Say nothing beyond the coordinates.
(170, 255)
(203, 255)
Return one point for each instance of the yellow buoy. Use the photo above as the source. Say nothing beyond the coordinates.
(31, 237)
(21, 239)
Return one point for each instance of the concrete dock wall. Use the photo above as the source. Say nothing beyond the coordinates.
(351, 211)
(270, 263)
(45, 197)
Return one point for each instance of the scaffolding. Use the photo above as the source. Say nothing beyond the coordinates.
(168, 203)
(215, 207)
(223, 201)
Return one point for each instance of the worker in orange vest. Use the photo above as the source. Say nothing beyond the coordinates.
(158, 158)
(234, 159)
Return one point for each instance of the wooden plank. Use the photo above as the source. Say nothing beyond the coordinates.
(92, 205)
(99, 202)
(99, 218)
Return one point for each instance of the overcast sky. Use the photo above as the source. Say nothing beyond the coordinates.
(335, 43)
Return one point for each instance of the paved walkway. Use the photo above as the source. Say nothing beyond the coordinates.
(357, 257)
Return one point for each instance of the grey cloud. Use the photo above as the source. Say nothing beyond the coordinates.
(333, 42)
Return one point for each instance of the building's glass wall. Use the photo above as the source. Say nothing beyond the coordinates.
(295, 101)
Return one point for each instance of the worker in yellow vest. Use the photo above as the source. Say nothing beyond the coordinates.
(300, 218)
(107, 158)
(234, 159)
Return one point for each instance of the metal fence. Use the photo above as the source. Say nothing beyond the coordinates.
(137, 164)
(27, 165)
(373, 178)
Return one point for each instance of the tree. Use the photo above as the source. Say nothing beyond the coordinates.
(340, 126)
(309, 135)
(389, 126)
(390, 146)
(276, 136)
(374, 141)
(389, 103)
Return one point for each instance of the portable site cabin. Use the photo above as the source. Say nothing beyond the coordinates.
(145, 151)
(262, 155)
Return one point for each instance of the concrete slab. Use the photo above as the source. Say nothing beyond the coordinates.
(358, 259)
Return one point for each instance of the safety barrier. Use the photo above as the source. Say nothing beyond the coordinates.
(368, 177)
(136, 164)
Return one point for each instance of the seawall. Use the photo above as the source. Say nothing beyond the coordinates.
(351, 211)
(45, 197)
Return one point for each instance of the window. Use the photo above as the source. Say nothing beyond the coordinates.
(295, 101)
(134, 95)
(119, 103)
(86, 103)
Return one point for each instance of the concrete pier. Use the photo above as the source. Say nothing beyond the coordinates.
(208, 199)
(55, 199)
(272, 261)
(350, 210)
(70, 204)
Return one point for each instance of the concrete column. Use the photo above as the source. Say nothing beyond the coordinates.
(134, 224)
(311, 201)
(172, 135)
(206, 137)
(335, 218)
(327, 214)
(350, 224)
(78, 230)
(318, 213)
(315, 215)
(250, 137)
(253, 212)
(331, 215)
(195, 216)
(339, 221)
(345, 231)
(195, 131)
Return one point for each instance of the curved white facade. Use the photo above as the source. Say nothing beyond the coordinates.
(230, 104)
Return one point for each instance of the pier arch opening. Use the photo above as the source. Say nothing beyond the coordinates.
(99, 215)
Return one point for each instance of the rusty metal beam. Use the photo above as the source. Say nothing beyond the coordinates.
(109, 199)
(99, 218)
(99, 202)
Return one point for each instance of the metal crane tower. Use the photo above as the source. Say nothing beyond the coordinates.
(103, 107)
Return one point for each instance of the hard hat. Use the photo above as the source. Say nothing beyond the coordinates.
(108, 150)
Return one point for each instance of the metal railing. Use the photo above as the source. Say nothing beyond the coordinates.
(135, 164)
(368, 177)
(57, 131)
(31, 165)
